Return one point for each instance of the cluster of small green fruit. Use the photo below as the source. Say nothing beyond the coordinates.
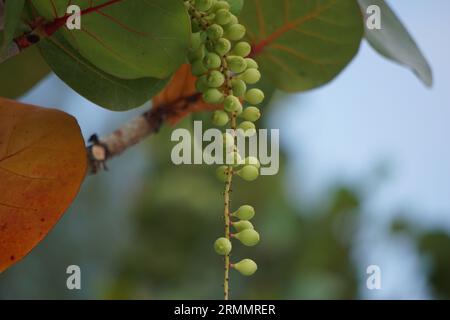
(246, 234)
(220, 59)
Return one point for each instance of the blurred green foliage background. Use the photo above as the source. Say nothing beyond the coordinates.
(145, 231)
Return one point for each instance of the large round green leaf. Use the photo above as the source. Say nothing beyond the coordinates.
(128, 39)
(303, 44)
(92, 83)
(394, 42)
(20, 73)
(11, 20)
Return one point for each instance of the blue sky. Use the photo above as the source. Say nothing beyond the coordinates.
(377, 113)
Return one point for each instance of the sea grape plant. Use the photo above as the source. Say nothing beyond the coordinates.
(223, 56)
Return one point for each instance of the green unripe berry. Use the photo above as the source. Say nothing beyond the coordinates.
(242, 49)
(222, 46)
(232, 104)
(248, 173)
(248, 127)
(215, 32)
(237, 64)
(252, 63)
(246, 267)
(228, 140)
(222, 173)
(233, 21)
(215, 79)
(248, 237)
(212, 61)
(210, 46)
(251, 76)
(239, 109)
(196, 55)
(253, 162)
(223, 16)
(254, 96)
(203, 5)
(210, 17)
(220, 118)
(251, 114)
(244, 212)
(242, 225)
(213, 96)
(239, 88)
(198, 68)
(201, 84)
(222, 246)
(222, 4)
(235, 32)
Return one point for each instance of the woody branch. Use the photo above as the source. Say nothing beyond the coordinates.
(134, 131)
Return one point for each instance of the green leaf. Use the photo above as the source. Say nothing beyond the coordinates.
(20, 73)
(236, 6)
(94, 84)
(127, 39)
(12, 14)
(303, 44)
(394, 42)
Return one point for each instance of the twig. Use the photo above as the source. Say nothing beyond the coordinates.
(134, 131)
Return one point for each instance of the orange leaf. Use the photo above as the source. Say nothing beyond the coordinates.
(180, 97)
(42, 165)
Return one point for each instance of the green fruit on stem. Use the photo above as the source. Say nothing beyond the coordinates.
(215, 32)
(239, 88)
(222, 173)
(253, 162)
(251, 76)
(196, 55)
(251, 114)
(235, 32)
(233, 21)
(242, 225)
(242, 49)
(252, 63)
(254, 96)
(220, 118)
(237, 64)
(198, 68)
(248, 173)
(203, 5)
(232, 104)
(246, 267)
(222, 46)
(222, 246)
(248, 237)
(201, 84)
(215, 79)
(244, 212)
(248, 127)
(213, 96)
(223, 16)
(221, 4)
(212, 61)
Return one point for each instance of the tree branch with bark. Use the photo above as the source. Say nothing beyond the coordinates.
(134, 131)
